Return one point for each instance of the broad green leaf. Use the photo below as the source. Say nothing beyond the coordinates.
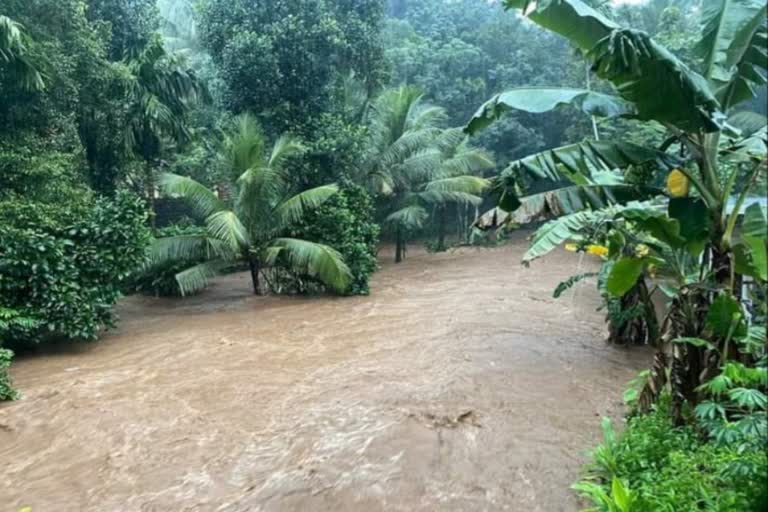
(751, 257)
(624, 275)
(754, 223)
(645, 73)
(661, 86)
(733, 46)
(657, 224)
(748, 123)
(572, 19)
(536, 100)
(724, 312)
(693, 217)
(590, 157)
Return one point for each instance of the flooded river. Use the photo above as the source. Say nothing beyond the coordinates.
(458, 385)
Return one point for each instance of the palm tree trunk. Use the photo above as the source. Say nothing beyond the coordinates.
(399, 246)
(255, 269)
(441, 228)
(150, 185)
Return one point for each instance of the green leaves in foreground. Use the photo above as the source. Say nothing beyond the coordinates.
(624, 275)
(725, 317)
(661, 86)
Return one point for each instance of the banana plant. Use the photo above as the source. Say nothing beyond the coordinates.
(699, 112)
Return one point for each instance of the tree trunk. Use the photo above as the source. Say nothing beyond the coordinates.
(441, 228)
(150, 185)
(399, 246)
(255, 268)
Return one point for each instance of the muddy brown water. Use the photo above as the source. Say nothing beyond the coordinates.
(459, 384)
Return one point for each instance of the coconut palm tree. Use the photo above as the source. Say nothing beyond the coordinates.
(249, 230)
(413, 165)
(14, 55)
(442, 175)
(161, 91)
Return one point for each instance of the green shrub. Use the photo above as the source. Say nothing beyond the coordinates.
(345, 223)
(674, 469)
(64, 265)
(7, 392)
(160, 280)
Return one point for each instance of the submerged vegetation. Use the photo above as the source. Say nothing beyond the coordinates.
(147, 146)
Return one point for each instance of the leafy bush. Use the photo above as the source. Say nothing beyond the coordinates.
(63, 265)
(668, 468)
(160, 279)
(6, 386)
(344, 223)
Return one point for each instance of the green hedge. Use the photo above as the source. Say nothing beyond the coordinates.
(63, 265)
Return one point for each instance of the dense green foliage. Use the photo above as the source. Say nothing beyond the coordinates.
(62, 265)
(283, 59)
(7, 392)
(345, 222)
(669, 468)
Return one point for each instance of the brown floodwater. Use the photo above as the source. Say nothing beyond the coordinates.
(459, 384)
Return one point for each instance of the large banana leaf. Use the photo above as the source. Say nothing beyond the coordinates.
(645, 73)
(537, 100)
(733, 46)
(587, 158)
(572, 19)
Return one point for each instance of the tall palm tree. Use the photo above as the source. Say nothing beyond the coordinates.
(433, 179)
(412, 164)
(249, 230)
(161, 91)
(460, 163)
(14, 55)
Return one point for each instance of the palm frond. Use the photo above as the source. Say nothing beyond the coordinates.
(200, 198)
(468, 184)
(186, 247)
(317, 260)
(294, 208)
(442, 197)
(468, 160)
(409, 217)
(226, 226)
(285, 147)
(196, 278)
(244, 145)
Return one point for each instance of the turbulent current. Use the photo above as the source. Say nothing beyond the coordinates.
(459, 384)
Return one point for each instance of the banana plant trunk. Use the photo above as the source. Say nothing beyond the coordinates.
(642, 328)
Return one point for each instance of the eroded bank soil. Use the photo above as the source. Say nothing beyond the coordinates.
(459, 384)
